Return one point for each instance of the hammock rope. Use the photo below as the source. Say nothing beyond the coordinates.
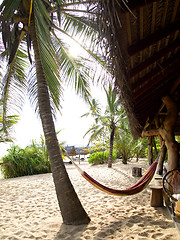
(138, 187)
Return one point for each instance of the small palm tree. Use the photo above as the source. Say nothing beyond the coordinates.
(27, 24)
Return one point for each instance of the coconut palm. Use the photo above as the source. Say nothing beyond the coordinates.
(34, 23)
(107, 121)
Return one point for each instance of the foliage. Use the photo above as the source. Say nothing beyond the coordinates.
(100, 157)
(21, 162)
(5, 128)
(178, 139)
(140, 148)
(96, 147)
(125, 145)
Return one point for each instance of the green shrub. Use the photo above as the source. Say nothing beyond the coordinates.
(22, 162)
(100, 157)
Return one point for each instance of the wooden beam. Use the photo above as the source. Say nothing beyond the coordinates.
(153, 38)
(135, 4)
(174, 87)
(151, 100)
(158, 69)
(156, 80)
(176, 84)
(154, 58)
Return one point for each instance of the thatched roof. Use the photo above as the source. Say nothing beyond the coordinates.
(71, 151)
(143, 39)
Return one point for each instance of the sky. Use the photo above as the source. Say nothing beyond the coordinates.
(72, 126)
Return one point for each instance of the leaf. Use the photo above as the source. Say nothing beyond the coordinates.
(8, 8)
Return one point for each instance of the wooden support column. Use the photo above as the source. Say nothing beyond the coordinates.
(150, 150)
(166, 132)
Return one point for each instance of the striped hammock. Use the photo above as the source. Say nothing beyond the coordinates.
(138, 187)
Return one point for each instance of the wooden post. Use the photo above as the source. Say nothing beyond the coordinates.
(150, 151)
(166, 132)
(136, 172)
(156, 196)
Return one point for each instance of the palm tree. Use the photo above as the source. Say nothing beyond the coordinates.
(107, 121)
(34, 23)
(112, 117)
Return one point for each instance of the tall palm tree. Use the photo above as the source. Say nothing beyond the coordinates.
(107, 120)
(112, 117)
(35, 23)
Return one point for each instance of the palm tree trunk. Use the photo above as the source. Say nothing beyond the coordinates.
(161, 161)
(150, 151)
(111, 147)
(70, 206)
(124, 158)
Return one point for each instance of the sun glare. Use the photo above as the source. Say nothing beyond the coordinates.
(75, 51)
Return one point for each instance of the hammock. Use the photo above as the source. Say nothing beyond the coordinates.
(138, 187)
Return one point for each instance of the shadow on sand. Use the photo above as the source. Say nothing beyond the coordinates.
(113, 229)
(69, 232)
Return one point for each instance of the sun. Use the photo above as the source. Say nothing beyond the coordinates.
(75, 50)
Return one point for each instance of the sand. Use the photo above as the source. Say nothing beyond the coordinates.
(29, 208)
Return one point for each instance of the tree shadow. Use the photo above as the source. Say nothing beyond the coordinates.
(147, 226)
(70, 232)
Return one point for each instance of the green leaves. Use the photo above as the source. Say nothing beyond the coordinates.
(8, 8)
(74, 71)
(21, 162)
(14, 83)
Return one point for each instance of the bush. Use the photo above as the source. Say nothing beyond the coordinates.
(100, 157)
(22, 162)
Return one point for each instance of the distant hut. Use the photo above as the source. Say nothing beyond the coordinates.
(72, 152)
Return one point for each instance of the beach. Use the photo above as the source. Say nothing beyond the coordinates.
(29, 208)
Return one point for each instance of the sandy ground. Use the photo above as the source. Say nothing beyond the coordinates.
(29, 208)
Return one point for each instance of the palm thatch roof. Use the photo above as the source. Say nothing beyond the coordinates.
(143, 49)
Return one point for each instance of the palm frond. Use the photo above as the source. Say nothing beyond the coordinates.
(95, 131)
(8, 7)
(14, 86)
(81, 28)
(32, 88)
(47, 51)
(73, 71)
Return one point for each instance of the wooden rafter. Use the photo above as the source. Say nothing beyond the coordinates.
(159, 69)
(134, 4)
(154, 58)
(153, 38)
(156, 80)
